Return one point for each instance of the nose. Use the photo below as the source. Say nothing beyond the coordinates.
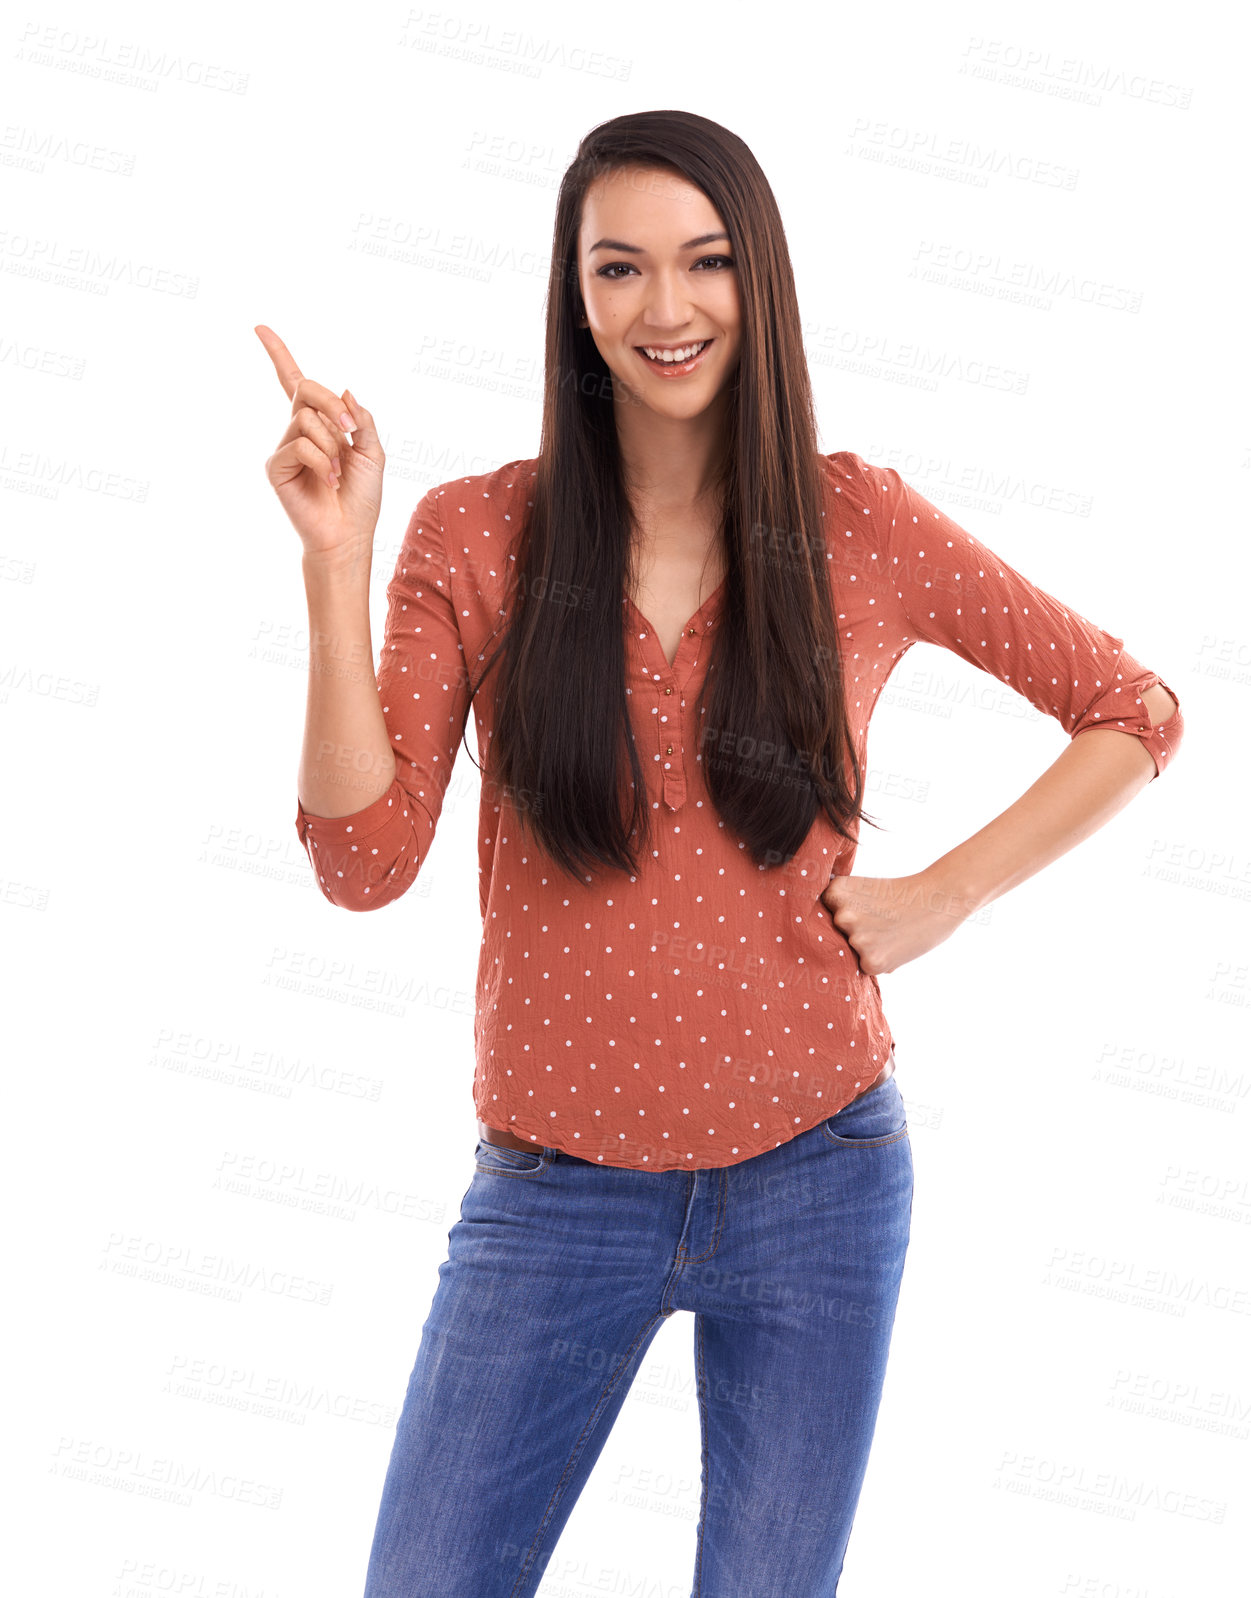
(668, 304)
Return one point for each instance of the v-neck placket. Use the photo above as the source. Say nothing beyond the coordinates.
(668, 685)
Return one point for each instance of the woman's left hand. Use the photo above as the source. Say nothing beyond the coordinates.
(891, 920)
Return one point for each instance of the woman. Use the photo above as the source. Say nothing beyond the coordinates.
(683, 615)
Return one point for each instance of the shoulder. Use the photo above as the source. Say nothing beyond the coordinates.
(487, 498)
(475, 521)
(862, 484)
(463, 534)
(882, 502)
(859, 502)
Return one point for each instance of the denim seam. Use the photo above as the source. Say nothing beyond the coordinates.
(715, 1243)
(864, 1142)
(520, 1170)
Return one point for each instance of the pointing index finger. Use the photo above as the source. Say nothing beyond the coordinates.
(289, 374)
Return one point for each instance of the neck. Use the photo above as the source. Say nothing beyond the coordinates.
(671, 467)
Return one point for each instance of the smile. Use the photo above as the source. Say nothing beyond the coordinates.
(676, 362)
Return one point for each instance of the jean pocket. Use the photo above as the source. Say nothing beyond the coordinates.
(497, 1159)
(874, 1119)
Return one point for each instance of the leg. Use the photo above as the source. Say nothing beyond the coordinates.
(790, 1373)
(543, 1312)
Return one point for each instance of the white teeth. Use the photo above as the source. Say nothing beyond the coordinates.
(672, 357)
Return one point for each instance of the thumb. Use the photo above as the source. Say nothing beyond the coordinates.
(364, 434)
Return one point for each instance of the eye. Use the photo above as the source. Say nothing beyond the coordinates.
(613, 267)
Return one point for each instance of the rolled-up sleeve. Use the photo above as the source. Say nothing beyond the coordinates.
(950, 589)
(369, 858)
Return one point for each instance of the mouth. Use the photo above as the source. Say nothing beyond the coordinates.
(664, 366)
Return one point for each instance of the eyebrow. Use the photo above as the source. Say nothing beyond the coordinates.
(634, 249)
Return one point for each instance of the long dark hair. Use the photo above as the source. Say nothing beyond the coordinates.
(776, 743)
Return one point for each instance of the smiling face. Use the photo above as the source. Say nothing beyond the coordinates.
(656, 270)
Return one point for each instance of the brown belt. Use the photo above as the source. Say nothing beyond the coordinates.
(509, 1140)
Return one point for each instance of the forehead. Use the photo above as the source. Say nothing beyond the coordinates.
(630, 202)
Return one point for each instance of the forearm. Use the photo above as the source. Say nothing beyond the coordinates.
(346, 761)
(1096, 776)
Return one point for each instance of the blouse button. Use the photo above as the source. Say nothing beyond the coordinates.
(669, 750)
(668, 690)
(690, 632)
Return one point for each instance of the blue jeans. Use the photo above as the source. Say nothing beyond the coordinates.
(558, 1275)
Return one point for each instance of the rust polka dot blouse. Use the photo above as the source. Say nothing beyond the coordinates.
(708, 1009)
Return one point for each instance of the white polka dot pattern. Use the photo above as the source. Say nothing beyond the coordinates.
(942, 586)
(707, 1009)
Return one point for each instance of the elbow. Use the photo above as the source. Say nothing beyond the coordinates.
(1162, 726)
(1161, 704)
(1157, 723)
(1166, 725)
(367, 860)
(359, 903)
(355, 885)
(363, 876)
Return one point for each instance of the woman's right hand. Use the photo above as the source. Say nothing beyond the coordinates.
(330, 485)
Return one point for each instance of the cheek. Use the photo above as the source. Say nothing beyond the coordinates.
(605, 314)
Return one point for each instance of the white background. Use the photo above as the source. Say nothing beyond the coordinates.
(1066, 1410)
